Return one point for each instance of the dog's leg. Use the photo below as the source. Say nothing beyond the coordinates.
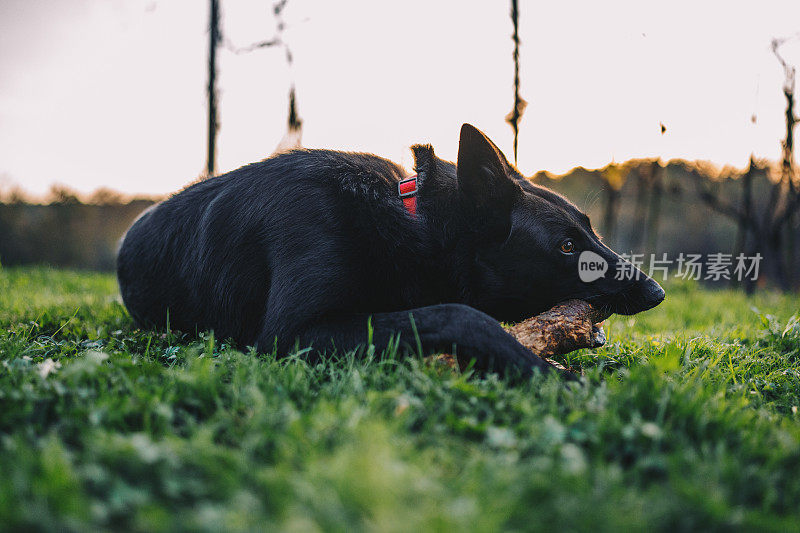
(433, 329)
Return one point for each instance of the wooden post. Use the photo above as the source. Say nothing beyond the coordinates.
(513, 118)
(213, 124)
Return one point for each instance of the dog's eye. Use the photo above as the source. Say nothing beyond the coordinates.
(567, 247)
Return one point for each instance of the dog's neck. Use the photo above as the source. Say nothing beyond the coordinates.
(443, 230)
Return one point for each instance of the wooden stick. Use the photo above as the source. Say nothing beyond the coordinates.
(568, 326)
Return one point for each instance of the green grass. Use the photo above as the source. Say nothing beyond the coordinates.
(688, 421)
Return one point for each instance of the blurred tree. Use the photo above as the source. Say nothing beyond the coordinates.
(293, 137)
(787, 193)
(214, 38)
(105, 196)
(647, 207)
(746, 213)
(515, 115)
(654, 206)
(614, 177)
(756, 225)
(770, 230)
(294, 133)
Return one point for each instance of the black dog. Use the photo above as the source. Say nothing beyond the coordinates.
(311, 246)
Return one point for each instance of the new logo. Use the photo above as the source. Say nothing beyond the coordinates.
(591, 266)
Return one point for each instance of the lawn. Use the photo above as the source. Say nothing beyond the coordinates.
(687, 421)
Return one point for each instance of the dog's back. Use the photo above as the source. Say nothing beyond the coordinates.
(309, 221)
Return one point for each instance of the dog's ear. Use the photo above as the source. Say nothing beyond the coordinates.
(424, 162)
(483, 172)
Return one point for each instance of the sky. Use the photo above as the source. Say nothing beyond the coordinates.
(111, 93)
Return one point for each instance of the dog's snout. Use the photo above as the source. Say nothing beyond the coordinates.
(653, 294)
(638, 296)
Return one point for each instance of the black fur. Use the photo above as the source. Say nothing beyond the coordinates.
(308, 245)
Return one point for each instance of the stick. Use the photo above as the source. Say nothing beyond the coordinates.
(568, 326)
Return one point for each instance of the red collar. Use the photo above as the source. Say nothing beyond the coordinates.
(407, 189)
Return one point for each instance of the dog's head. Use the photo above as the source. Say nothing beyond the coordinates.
(533, 248)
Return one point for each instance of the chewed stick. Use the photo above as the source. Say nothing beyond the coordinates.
(567, 326)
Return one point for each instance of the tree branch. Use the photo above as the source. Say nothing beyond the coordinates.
(713, 201)
(276, 41)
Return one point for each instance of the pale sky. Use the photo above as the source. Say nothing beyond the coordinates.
(111, 93)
